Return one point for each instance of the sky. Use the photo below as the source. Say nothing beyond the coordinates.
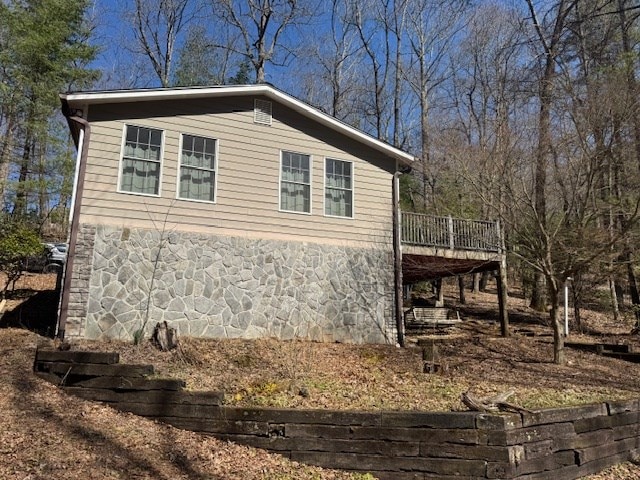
(118, 59)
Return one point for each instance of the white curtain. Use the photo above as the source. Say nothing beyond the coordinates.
(141, 162)
(338, 189)
(295, 187)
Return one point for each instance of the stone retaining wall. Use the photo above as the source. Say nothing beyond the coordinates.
(228, 287)
(562, 444)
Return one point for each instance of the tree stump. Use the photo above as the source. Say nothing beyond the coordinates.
(431, 358)
(165, 337)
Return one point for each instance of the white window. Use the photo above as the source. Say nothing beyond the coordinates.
(295, 182)
(140, 170)
(338, 188)
(197, 168)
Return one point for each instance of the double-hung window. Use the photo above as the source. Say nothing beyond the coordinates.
(141, 160)
(338, 188)
(295, 182)
(197, 168)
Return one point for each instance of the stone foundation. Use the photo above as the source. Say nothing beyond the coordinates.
(229, 287)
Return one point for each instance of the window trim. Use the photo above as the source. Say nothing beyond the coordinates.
(215, 170)
(121, 161)
(352, 189)
(280, 209)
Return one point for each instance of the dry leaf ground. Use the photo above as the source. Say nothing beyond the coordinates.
(46, 434)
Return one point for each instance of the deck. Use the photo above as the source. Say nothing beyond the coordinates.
(436, 247)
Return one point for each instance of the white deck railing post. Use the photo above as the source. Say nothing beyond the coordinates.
(452, 243)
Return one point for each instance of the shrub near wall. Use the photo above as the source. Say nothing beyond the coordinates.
(564, 443)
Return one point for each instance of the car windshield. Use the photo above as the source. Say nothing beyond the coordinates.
(62, 247)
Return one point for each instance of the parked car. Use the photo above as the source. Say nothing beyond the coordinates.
(52, 258)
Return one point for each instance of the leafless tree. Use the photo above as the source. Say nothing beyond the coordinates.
(261, 25)
(432, 28)
(157, 26)
(331, 67)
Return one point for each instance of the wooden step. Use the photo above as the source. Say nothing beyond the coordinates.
(94, 370)
(106, 358)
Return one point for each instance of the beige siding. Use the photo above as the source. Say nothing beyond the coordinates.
(247, 201)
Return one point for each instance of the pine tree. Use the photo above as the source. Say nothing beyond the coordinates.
(43, 51)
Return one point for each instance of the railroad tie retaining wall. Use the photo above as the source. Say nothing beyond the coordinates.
(564, 443)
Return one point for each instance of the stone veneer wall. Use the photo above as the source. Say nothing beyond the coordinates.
(229, 287)
(80, 277)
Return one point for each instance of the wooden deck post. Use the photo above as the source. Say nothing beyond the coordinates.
(501, 283)
(397, 260)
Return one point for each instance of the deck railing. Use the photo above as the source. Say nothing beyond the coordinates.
(448, 232)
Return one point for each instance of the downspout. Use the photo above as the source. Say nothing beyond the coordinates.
(397, 257)
(76, 197)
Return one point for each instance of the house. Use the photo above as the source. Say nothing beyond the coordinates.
(230, 211)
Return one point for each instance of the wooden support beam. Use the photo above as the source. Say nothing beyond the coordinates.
(501, 280)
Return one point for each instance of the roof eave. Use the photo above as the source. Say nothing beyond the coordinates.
(122, 96)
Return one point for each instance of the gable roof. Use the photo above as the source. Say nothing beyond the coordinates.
(79, 99)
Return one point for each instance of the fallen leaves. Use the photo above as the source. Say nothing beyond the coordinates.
(47, 434)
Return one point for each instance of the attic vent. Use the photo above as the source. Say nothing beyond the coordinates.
(262, 112)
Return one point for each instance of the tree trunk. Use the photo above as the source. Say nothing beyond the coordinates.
(484, 279)
(633, 289)
(556, 322)
(538, 297)
(620, 294)
(501, 283)
(20, 205)
(632, 86)
(5, 152)
(614, 299)
(476, 283)
(463, 299)
(43, 194)
(576, 293)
